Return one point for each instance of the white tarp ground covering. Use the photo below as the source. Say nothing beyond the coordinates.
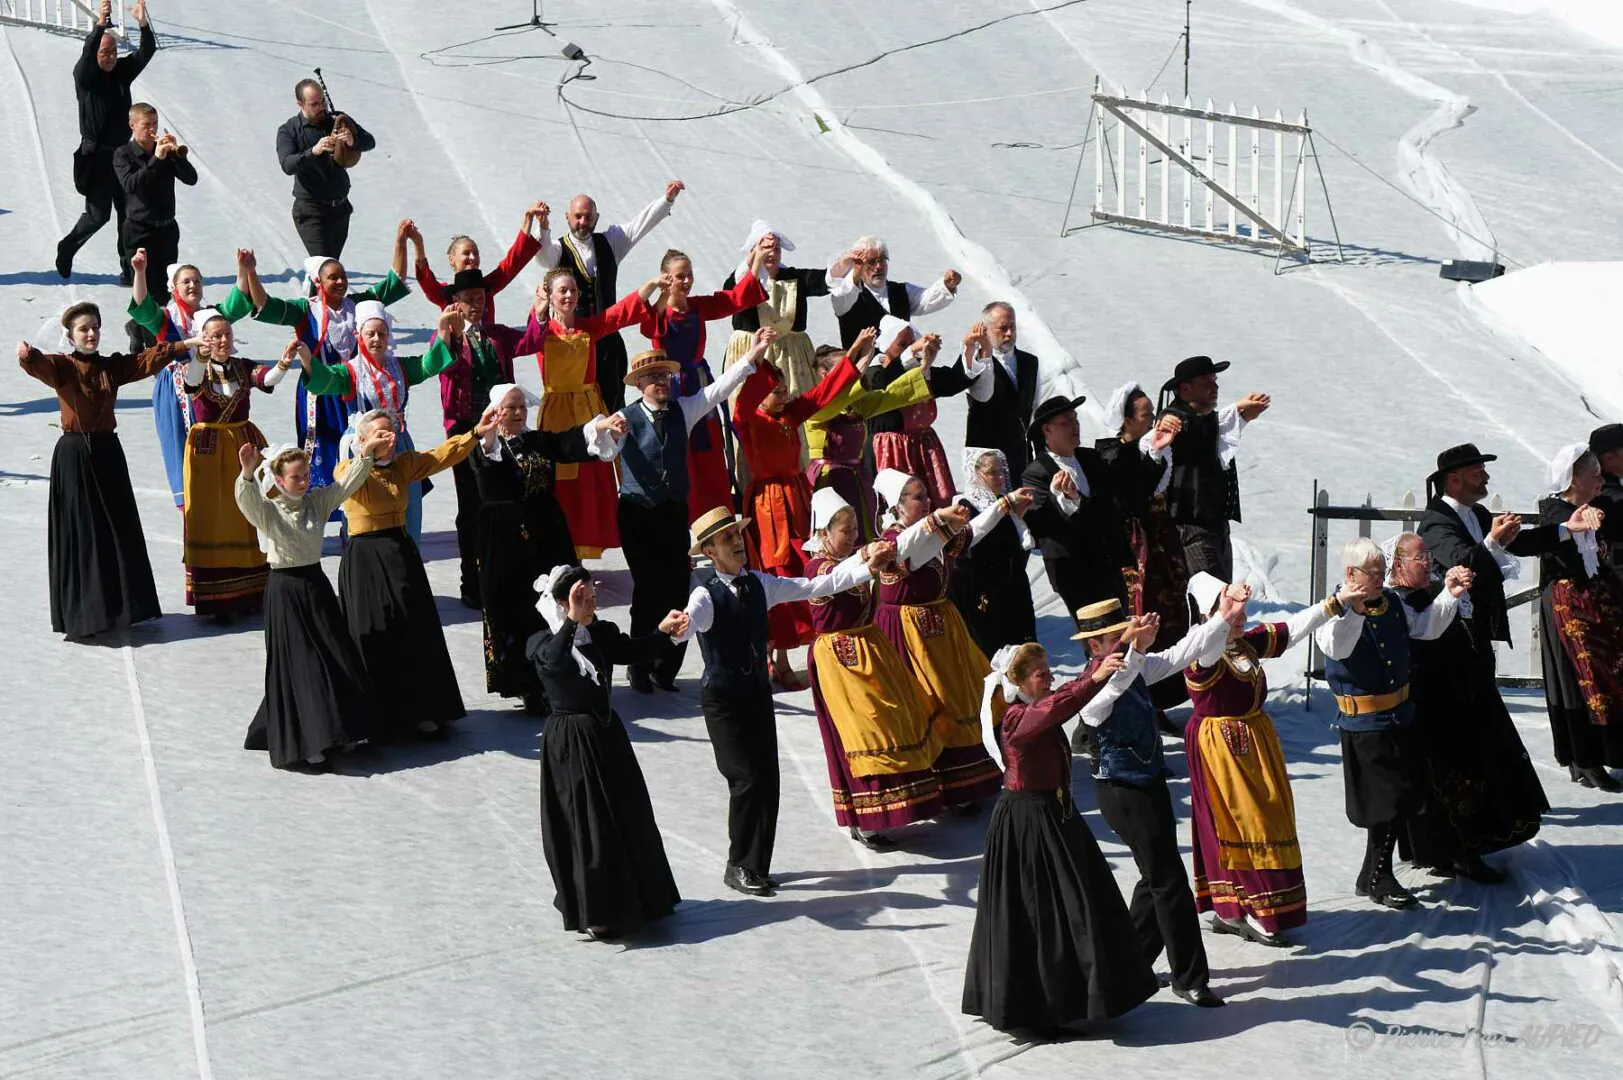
(395, 920)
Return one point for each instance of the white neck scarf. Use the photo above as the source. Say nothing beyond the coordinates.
(996, 680)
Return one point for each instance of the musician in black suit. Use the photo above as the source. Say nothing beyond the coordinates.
(1204, 493)
(1075, 515)
(1459, 532)
(999, 419)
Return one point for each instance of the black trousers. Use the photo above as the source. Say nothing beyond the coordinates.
(467, 518)
(744, 735)
(1162, 907)
(104, 198)
(163, 247)
(611, 370)
(323, 227)
(655, 542)
(1208, 548)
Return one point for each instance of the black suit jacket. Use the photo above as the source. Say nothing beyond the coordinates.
(1451, 545)
(1083, 554)
(1000, 423)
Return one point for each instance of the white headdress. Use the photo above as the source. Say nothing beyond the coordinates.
(1117, 405)
(1560, 477)
(1206, 590)
(760, 229)
(888, 485)
(555, 613)
(825, 503)
(268, 482)
(997, 679)
(367, 310)
(312, 272)
(170, 272)
(201, 318)
(501, 390)
(890, 328)
(981, 497)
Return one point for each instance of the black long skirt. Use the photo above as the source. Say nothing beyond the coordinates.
(391, 614)
(1381, 773)
(1580, 737)
(99, 573)
(1481, 790)
(1053, 941)
(317, 695)
(518, 543)
(597, 827)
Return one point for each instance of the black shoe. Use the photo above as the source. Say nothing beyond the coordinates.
(668, 683)
(1385, 889)
(639, 680)
(1163, 981)
(746, 881)
(601, 933)
(1200, 995)
(471, 600)
(1599, 779)
(1244, 929)
(771, 882)
(873, 841)
(1164, 724)
(64, 260)
(968, 809)
(1474, 869)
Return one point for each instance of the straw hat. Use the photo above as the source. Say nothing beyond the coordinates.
(652, 362)
(712, 522)
(1097, 620)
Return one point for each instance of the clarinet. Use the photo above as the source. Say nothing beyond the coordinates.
(346, 156)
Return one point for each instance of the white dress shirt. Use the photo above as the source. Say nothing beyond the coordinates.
(1338, 638)
(1203, 644)
(848, 574)
(621, 238)
(1509, 567)
(844, 291)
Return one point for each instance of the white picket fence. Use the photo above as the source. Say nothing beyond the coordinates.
(65, 16)
(1201, 172)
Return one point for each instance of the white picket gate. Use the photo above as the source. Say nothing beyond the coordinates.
(1231, 170)
(64, 16)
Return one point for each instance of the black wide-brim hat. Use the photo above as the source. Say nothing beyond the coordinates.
(471, 278)
(1459, 457)
(1049, 409)
(1193, 368)
(1606, 437)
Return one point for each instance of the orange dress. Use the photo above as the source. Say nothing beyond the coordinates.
(589, 493)
(778, 499)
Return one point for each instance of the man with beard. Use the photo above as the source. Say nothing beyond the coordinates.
(306, 146)
(101, 80)
(1204, 494)
(595, 258)
(863, 294)
(1482, 791)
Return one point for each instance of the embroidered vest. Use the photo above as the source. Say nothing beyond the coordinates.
(1129, 744)
(599, 292)
(1378, 666)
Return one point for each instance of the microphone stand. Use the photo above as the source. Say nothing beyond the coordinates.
(535, 22)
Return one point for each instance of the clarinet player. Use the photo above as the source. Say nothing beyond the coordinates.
(307, 146)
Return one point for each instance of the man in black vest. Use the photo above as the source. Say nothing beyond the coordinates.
(595, 258)
(101, 81)
(863, 294)
(1459, 532)
(1606, 443)
(653, 505)
(728, 612)
(147, 167)
(305, 145)
(998, 420)
(1204, 494)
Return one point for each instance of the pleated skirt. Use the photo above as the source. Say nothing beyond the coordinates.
(598, 831)
(96, 554)
(1053, 941)
(317, 694)
(390, 610)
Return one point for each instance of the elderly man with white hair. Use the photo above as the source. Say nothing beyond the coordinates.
(594, 256)
(1366, 649)
(862, 292)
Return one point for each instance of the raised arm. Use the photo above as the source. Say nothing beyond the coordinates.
(622, 238)
(941, 293)
(521, 251)
(829, 388)
(415, 465)
(696, 406)
(629, 310)
(37, 365)
(741, 296)
(1053, 710)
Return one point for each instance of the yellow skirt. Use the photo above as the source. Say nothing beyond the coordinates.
(1249, 793)
(217, 535)
(565, 407)
(869, 698)
(949, 666)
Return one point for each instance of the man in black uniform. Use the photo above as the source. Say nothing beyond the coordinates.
(101, 80)
(1204, 493)
(305, 146)
(147, 167)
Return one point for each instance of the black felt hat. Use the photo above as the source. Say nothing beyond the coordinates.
(1193, 368)
(1049, 409)
(1607, 437)
(1455, 457)
(472, 278)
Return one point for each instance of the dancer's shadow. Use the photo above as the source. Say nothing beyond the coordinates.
(482, 731)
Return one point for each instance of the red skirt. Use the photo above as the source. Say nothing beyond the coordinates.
(918, 454)
(590, 502)
(709, 483)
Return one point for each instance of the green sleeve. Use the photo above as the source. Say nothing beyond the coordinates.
(148, 314)
(386, 291)
(422, 368)
(330, 379)
(910, 389)
(283, 312)
(236, 305)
